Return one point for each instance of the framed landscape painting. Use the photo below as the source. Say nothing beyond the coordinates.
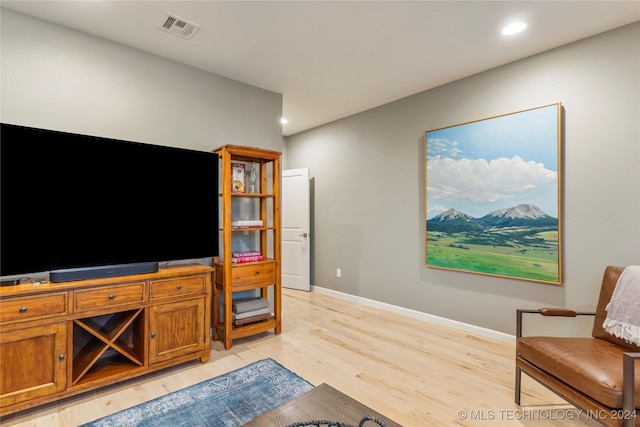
(493, 196)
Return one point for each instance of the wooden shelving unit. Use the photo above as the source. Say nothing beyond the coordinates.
(263, 199)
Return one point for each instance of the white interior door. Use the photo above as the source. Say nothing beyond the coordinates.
(295, 224)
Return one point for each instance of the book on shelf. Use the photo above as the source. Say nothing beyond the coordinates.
(247, 223)
(243, 259)
(237, 177)
(258, 318)
(252, 313)
(248, 306)
(245, 253)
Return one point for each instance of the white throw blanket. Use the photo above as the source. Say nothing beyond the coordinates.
(623, 311)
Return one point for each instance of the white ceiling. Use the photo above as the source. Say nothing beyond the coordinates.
(331, 59)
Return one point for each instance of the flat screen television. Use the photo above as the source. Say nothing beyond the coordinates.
(82, 207)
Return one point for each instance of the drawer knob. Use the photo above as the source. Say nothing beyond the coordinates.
(61, 357)
(179, 287)
(112, 296)
(23, 309)
(153, 334)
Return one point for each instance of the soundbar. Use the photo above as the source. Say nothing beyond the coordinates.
(100, 272)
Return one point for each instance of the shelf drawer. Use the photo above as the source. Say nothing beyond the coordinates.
(33, 307)
(172, 288)
(109, 296)
(251, 274)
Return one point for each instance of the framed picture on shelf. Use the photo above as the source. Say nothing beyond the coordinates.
(237, 177)
(493, 196)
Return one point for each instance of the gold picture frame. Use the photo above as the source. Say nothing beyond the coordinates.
(493, 195)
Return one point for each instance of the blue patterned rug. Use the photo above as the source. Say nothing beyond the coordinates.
(232, 399)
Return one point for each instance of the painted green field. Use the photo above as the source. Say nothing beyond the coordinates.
(514, 253)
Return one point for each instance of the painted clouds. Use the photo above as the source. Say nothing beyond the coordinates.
(480, 180)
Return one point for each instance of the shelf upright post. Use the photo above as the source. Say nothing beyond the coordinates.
(276, 245)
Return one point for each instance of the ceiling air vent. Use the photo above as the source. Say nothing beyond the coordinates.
(178, 26)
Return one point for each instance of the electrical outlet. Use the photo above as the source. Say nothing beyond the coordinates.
(338, 273)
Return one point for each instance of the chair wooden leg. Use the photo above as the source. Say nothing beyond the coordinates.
(628, 392)
(518, 384)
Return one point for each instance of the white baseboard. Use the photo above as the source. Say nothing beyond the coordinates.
(477, 330)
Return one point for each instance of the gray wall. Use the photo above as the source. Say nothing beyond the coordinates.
(367, 179)
(61, 79)
(57, 78)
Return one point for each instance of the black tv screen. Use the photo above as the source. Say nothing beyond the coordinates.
(72, 201)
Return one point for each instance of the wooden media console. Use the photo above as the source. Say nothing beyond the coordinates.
(62, 339)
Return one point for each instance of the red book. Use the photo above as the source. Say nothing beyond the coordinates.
(243, 259)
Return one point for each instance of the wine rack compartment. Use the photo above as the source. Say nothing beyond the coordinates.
(117, 338)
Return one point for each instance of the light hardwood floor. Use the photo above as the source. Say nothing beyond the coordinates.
(414, 372)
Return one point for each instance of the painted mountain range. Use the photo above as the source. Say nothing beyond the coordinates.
(523, 215)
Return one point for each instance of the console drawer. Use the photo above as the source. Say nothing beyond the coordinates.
(109, 296)
(176, 287)
(33, 307)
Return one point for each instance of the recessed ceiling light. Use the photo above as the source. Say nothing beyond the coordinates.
(284, 121)
(514, 28)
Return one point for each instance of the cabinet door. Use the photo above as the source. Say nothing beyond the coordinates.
(34, 363)
(176, 329)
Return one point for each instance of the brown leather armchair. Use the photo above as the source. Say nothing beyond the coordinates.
(596, 374)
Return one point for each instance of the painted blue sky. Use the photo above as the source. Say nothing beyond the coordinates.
(486, 165)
